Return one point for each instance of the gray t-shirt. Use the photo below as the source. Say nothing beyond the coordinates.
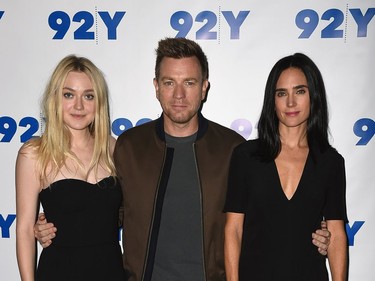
(179, 252)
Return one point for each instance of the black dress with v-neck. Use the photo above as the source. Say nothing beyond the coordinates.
(276, 242)
(86, 247)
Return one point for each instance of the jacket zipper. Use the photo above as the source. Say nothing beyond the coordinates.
(202, 218)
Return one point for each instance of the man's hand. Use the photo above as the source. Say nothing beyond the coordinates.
(321, 238)
(44, 231)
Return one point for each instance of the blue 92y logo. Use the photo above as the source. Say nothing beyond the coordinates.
(1, 14)
(183, 22)
(364, 129)
(9, 127)
(308, 20)
(61, 22)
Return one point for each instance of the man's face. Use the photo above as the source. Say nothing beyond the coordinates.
(180, 90)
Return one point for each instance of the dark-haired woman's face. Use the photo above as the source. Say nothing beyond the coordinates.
(292, 98)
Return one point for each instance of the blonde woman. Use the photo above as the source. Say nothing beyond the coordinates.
(71, 171)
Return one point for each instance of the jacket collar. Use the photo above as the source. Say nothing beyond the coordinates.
(202, 126)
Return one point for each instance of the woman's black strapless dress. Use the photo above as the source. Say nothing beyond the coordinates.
(86, 246)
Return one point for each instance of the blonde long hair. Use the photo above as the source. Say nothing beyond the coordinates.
(54, 146)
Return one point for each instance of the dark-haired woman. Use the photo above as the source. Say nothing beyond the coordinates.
(284, 183)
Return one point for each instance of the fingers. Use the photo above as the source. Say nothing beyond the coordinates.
(44, 232)
(322, 252)
(46, 244)
(322, 247)
(321, 239)
(45, 238)
(41, 219)
(323, 225)
(324, 234)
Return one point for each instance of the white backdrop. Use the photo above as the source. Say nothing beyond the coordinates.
(242, 39)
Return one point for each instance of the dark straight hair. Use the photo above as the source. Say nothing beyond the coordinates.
(317, 123)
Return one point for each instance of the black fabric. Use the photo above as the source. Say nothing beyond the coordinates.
(86, 247)
(158, 213)
(276, 243)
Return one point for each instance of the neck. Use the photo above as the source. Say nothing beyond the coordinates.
(81, 139)
(293, 137)
(181, 129)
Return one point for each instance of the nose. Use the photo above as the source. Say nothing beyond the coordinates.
(78, 104)
(291, 100)
(179, 92)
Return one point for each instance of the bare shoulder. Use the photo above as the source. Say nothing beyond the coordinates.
(27, 173)
(26, 163)
(28, 150)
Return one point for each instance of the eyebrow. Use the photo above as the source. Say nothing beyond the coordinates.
(85, 91)
(186, 79)
(294, 88)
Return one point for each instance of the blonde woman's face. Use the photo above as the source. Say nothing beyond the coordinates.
(78, 101)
